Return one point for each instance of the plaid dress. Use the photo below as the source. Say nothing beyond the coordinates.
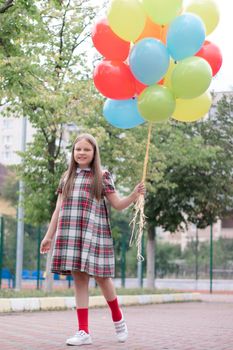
(83, 239)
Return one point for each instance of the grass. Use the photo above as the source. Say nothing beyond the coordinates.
(34, 293)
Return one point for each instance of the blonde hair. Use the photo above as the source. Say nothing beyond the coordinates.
(69, 175)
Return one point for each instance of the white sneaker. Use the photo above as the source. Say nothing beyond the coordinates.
(80, 338)
(121, 330)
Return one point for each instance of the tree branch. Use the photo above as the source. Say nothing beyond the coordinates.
(59, 145)
(61, 34)
(6, 6)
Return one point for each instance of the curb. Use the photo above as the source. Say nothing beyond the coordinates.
(61, 303)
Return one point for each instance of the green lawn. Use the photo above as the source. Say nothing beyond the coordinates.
(30, 293)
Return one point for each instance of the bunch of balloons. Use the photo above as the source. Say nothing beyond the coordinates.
(156, 62)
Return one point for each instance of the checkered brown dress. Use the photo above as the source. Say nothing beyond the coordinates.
(83, 238)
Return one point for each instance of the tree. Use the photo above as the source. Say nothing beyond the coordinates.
(44, 74)
(197, 183)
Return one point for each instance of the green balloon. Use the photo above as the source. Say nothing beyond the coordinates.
(162, 11)
(191, 77)
(156, 104)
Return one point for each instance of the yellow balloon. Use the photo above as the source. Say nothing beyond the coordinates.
(167, 78)
(162, 11)
(127, 18)
(207, 10)
(192, 110)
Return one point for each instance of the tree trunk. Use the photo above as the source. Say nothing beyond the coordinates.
(150, 248)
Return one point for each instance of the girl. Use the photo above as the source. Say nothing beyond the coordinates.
(83, 245)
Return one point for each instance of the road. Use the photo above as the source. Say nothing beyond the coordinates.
(180, 326)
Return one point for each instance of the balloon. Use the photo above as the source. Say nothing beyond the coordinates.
(139, 87)
(162, 11)
(127, 18)
(108, 43)
(207, 10)
(153, 30)
(122, 113)
(194, 109)
(191, 77)
(149, 60)
(167, 79)
(114, 80)
(156, 103)
(212, 54)
(185, 36)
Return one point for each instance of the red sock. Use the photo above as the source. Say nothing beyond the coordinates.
(116, 312)
(82, 315)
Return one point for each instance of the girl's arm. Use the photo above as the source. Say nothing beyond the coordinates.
(46, 242)
(122, 203)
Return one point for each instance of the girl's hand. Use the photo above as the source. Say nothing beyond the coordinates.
(45, 245)
(140, 189)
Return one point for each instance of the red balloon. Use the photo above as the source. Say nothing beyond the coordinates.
(212, 54)
(108, 43)
(114, 80)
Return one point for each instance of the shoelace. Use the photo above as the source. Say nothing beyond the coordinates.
(81, 333)
(120, 327)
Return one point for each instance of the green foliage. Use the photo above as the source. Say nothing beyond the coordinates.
(166, 254)
(196, 185)
(9, 190)
(222, 257)
(9, 247)
(42, 70)
(29, 293)
(30, 246)
(41, 174)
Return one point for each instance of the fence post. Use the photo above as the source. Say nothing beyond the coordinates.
(211, 258)
(38, 258)
(1, 247)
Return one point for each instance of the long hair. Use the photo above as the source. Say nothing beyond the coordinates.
(69, 175)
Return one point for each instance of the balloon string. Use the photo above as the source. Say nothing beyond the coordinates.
(139, 219)
(161, 33)
(147, 153)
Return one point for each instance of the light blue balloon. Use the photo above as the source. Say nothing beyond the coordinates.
(149, 61)
(122, 114)
(185, 37)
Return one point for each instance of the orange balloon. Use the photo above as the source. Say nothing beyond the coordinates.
(153, 30)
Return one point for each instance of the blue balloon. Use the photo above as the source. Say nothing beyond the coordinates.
(122, 114)
(149, 61)
(185, 36)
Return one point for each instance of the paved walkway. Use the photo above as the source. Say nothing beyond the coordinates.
(179, 326)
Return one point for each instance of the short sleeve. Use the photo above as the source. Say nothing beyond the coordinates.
(108, 183)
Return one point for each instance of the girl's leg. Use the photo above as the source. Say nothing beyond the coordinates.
(82, 337)
(81, 282)
(109, 292)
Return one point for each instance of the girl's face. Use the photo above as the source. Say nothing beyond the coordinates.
(83, 153)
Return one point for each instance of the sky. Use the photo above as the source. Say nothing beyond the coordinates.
(222, 36)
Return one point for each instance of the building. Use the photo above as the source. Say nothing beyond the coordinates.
(11, 130)
(10, 138)
(186, 236)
